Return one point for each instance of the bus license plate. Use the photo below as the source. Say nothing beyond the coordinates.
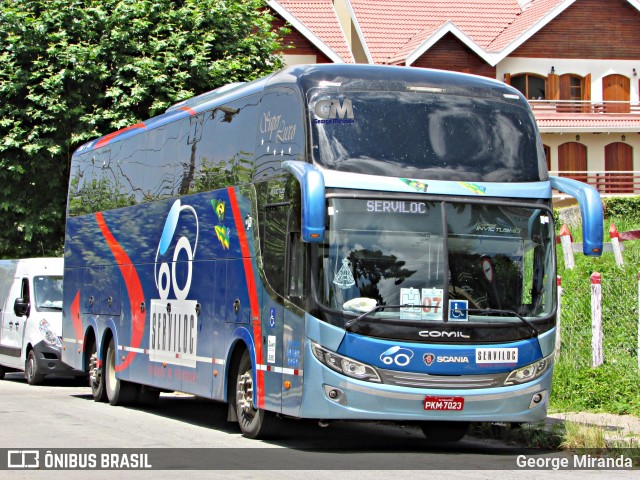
(444, 403)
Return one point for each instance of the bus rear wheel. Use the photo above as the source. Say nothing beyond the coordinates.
(119, 392)
(96, 378)
(444, 431)
(254, 422)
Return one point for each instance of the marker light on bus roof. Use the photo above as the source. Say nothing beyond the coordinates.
(326, 83)
(418, 88)
(510, 95)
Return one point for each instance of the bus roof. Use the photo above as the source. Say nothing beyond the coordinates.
(307, 77)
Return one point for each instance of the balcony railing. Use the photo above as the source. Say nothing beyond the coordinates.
(613, 183)
(585, 106)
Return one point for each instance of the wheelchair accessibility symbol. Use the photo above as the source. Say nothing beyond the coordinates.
(458, 310)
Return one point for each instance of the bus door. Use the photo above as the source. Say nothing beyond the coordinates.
(293, 332)
(272, 307)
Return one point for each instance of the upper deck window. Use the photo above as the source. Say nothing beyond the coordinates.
(426, 134)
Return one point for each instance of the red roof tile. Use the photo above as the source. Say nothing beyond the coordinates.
(395, 28)
(320, 18)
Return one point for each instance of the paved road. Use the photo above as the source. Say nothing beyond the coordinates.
(62, 414)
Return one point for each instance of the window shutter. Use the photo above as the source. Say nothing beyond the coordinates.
(553, 87)
(586, 89)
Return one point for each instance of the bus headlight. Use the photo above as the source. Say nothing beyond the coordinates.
(50, 337)
(345, 365)
(529, 372)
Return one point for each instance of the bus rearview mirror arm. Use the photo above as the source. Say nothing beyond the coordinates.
(312, 189)
(589, 201)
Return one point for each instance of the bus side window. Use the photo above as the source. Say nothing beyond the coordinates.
(296, 269)
(275, 237)
(280, 134)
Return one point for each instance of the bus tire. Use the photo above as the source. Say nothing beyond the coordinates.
(119, 392)
(96, 378)
(254, 423)
(34, 377)
(444, 431)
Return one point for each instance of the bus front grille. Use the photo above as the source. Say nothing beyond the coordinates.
(424, 380)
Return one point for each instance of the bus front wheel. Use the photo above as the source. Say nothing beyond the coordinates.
(254, 422)
(119, 392)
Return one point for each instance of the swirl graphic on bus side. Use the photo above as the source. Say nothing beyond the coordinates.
(165, 278)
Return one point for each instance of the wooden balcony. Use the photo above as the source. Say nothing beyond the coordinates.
(584, 107)
(607, 183)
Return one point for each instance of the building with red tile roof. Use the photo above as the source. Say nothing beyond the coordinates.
(577, 61)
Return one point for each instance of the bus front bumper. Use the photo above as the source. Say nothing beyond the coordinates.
(330, 395)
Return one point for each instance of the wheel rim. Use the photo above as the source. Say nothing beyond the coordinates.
(111, 370)
(30, 368)
(244, 397)
(94, 372)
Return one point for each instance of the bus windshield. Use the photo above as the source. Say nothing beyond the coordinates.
(395, 252)
(426, 135)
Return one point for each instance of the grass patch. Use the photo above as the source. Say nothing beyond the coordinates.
(613, 387)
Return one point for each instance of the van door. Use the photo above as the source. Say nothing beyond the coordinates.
(14, 322)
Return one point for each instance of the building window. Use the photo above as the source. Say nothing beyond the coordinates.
(618, 165)
(531, 86)
(572, 161)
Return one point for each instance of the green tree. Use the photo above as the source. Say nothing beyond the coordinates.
(73, 70)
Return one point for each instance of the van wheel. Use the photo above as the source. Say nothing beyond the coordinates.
(254, 423)
(444, 431)
(34, 377)
(96, 378)
(119, 392)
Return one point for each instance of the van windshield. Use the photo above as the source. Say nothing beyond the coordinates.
(48, 293)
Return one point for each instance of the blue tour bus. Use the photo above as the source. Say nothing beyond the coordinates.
(332, 242)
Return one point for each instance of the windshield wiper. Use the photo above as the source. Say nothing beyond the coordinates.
(348, 325)
(495, 311)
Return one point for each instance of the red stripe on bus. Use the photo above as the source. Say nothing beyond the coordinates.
(252, 290)
(76, 321)
(189, 110)
(134, 289)
(107, 138)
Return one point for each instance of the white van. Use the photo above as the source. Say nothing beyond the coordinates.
(31, 318)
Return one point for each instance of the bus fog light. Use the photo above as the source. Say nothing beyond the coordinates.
(538, 399)
(335, 394)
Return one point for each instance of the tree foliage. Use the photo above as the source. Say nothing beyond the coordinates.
(73, 70)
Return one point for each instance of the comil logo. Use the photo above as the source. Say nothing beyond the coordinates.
(333, 111)
(174, 332)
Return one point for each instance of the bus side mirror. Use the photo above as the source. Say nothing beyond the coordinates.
(21, 308)
(312, 190)
(590, 209)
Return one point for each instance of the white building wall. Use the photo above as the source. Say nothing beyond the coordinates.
(597, 68)
(595, 143)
